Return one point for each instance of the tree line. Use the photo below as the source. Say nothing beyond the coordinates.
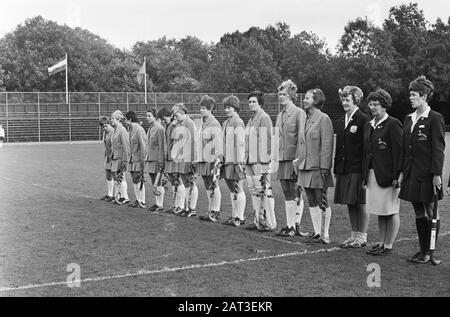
(368, 56)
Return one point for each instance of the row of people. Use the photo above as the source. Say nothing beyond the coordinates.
(376, 162)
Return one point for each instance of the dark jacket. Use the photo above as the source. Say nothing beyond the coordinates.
(423, 148)
(383, 150)
(349, 144)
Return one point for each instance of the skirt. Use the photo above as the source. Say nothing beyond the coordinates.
(232, 171)
(381, 201)
(151, 167)
(115, 165)
(135, 167)
(169, 166)
(313, 179)
(204, 169)
(108, 164)
(418, 192)
(349, 190)
(286, 170)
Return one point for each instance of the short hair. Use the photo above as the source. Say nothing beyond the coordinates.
(423, 86)
(259, 95)
(231, 101)
(382, 96)
(207, 102)
(152, 111)
(289, 87)
(118, 115)
(131, 115)
(318, 97)
(102, 121)
(180, 106)
(355, 92)
(164, 112)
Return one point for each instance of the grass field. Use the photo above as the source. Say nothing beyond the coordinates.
(51, 216)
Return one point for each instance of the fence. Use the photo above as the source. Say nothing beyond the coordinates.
(45, 116)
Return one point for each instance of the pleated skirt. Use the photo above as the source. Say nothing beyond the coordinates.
(349, 190)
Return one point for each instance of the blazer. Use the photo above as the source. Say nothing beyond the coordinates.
(318, 136)
(349, 144)
(423, 148)
(121, 144)
(107, 139)
(169, 140)
(211, 140)
(138, 143)
(182, 141)
(383, 150)
(290, 124)
(258, 139)
(156, 143)
(233, 140)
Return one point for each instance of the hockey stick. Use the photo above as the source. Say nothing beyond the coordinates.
(433, 259)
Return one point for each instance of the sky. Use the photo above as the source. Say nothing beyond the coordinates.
(123, 23)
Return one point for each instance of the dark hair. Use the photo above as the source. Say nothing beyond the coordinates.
(152, 111)
(423, 86)
(318, 97)
(231, 101)
(382, 96)
(131, 115)
(164, 112)
(259, 96)
(207, 102)
(103, 120)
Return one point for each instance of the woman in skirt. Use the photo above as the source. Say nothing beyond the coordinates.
(211, 147)
(233, 159)
(423, 160)
(138, 145)
(290, 125)
(108, 132)
(154, 164)
(348, 165)
(382, 155)
(314, 164)
(120, 157)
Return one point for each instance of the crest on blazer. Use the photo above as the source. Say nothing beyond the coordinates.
(353, 129)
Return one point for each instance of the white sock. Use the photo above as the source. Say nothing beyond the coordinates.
(136, 191)
(240, 205)
(117, 188)
(233, 205)
(256, 202)
(354, 235)
(316, 218)
(142, 194)
(299, 211)
(160, 199)
(362, 236)
(326, 225)
(110, 185)
(289, 205)
(181, 196)
(194, 197)
(215, 202)
(270, 211)
(208, 195)
(124, 189)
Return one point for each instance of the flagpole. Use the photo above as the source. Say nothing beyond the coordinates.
(67, 82)
(145, 78)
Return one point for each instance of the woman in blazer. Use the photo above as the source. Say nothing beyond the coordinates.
(314, 164)
(382, 155)
(348, 165)
(138, 145)
(211, 147)
(156, 148)
(233, 159)
(120, 146)
(108, 132)
(289, 127)
(423, 160)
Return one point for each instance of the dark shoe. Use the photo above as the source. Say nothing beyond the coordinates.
(374, 249)
(422, 259)
(153, 208)
(110, 199)
(142, 205)
(267, 229)
(105, 197)
(189, 213)
(252, 226)
(134, 205)
(286, 232)
(414, 257)
(238, 222)
(228, 222)
(313, 238)
(383, 252)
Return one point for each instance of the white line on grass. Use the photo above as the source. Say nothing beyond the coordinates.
(173, 269)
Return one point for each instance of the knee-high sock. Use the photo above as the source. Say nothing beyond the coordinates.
(193, 197)
(316, 218)
(136, 191)
(421, 225)
(299, 211)
(117, 188)
(233, 205)
(142, 193)
(124, 189)
(270, 211)
(181, 196)
(326, 225)
(290, 212)
(215, 202)
(256, 202)
(240, 205)
(208, 195)
(159, 200)
(110, 185)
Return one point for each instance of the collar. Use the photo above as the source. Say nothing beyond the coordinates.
(208, 120)
(424, 114)
(372, 122)
(289, 109)
(351, 115)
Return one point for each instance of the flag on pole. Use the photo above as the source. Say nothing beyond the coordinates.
(58, 67)
(141, 73)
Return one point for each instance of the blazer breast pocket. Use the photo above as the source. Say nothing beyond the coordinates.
(315, 135)
(292, 128)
